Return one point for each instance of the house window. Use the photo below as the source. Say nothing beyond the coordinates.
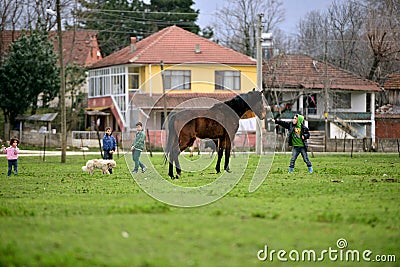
(341, 100)
(118, 81)
(107, 81)
(227, 80)
(118, 84)
(133, 81)
(99, 82)
(133, 78)
(177, 79)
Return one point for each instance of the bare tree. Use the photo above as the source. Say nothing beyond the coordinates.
(236, 25)
(10, 13)
(311, 34)
(345, 24)
(283, 42)
(383, 35)
(362, 36)
(26, 15)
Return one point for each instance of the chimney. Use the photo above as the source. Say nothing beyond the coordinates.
(197, 49)
(133, 44)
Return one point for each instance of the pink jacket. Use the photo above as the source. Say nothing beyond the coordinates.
(11, 152)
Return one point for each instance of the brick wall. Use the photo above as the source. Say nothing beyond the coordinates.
(387, 126)
(37, 139)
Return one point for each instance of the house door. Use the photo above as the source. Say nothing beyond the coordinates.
(310, 104)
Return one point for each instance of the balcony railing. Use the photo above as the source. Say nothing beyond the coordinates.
(347, 116)
(354, 115)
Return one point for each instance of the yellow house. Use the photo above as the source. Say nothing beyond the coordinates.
(170, 70)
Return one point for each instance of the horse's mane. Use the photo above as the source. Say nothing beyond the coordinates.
(238, 104)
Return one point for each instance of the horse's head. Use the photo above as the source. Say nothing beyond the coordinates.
(255, 101)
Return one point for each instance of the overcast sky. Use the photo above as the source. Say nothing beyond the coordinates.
(295, 9)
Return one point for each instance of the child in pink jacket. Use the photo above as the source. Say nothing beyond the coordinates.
(12, 155)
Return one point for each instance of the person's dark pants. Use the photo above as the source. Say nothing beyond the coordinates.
(135, 156)
(11, 163)
(108, 155)
(295, 153)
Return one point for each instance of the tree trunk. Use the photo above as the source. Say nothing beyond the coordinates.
(6, 131)
(374, 66)
(34, 107)
(6, 127)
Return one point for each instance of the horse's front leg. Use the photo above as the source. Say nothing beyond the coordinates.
(227, 155)
(220, 148)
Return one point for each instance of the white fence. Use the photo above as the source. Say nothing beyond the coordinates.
(87, 138)
(91, 138)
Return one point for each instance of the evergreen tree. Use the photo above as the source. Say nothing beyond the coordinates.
(118, 20)
(28, 70)
(174, 12)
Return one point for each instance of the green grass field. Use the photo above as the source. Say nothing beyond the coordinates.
(54, 214)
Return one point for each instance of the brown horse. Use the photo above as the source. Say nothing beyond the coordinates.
(220, 122)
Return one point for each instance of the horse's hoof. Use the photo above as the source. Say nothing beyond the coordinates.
(177, 176)
(172, 177)
(228, 170)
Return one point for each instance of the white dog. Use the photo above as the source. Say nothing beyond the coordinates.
(102, 164)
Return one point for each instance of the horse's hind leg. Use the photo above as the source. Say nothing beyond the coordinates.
(177, 167)
(227, 155)
(171, 168)
(171, 162)
(174, 160)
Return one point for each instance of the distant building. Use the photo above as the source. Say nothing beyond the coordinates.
(128, 85)
(79, 47)
(388, 116)
(296, 84)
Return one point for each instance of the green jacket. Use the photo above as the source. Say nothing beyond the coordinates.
(291, 127)
(139, 140)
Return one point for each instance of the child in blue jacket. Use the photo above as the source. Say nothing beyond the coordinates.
(109, 145)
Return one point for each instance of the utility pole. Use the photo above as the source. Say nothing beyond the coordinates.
(326, 94)
(164, 95)
(62, 87)
(372, 108)
(259, 83)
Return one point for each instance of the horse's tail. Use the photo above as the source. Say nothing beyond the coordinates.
(171, 136)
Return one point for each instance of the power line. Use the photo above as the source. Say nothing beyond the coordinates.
(144, 12)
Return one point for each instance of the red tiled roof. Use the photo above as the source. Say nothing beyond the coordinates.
(392, 82)
(173, 100)
(174, 45)
(301, 71)
(79, 47)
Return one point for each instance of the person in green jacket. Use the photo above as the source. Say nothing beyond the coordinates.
(138, 147)
(297, 138)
